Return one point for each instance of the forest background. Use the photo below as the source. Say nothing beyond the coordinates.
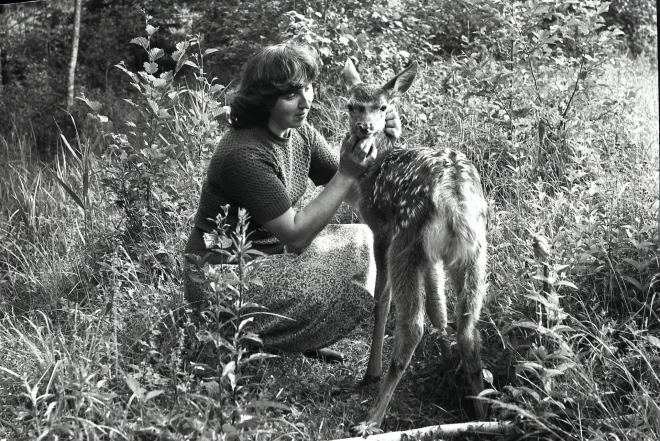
(109, 111)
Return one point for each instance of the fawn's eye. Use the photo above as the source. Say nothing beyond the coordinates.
(351, 107)
(383, 108)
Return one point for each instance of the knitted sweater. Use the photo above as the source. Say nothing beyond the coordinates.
(265, 174)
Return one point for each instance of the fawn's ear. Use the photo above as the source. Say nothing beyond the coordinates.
(350, 75)
(398, 85)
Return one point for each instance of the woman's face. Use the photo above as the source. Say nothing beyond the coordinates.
(290, 111)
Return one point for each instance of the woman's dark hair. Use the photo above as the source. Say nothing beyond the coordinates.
(271, 72)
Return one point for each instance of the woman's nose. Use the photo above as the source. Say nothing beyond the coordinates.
(304, 102)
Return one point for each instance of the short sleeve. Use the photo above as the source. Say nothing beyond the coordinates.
(250, 178)
(324, 160)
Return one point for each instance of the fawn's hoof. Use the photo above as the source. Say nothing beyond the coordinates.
(370, 379)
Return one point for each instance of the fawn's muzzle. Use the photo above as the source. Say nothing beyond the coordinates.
(364, 130)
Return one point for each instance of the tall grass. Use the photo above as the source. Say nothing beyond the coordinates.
(94, 345)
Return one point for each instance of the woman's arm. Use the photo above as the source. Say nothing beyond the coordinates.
(353, 196)
(299, 229)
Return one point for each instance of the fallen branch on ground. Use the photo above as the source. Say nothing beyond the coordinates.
(438, 431)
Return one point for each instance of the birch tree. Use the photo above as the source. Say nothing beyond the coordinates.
(74, 55)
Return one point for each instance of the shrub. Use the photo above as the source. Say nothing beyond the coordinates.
(638, 20)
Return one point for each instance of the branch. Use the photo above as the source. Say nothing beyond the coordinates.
(440, 431)
(575, 89)
(536, 85)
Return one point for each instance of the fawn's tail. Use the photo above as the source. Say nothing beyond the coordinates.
(461, 198)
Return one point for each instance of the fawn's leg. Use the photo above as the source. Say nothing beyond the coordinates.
(469, 280)
(436, 306)
(381, 310)
(405, 278)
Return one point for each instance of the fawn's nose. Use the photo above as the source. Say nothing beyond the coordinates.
(365, 128)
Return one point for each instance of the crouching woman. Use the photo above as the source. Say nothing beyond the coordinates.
(323, 289)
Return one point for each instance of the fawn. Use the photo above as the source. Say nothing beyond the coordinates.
(428, 214)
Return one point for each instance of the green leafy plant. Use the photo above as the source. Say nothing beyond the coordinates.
(226, 326)
(163, 137)
(530, 66)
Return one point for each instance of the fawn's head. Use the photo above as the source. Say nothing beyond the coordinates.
(367, 103)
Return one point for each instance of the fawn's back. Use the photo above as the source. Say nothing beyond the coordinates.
(405, 187)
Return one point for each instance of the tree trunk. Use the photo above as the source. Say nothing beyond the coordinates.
(2, 67)
(74, 55)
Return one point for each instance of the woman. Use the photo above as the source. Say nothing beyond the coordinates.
(263, 163)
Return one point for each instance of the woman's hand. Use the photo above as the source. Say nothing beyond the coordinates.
(392, 123)
(356, 154)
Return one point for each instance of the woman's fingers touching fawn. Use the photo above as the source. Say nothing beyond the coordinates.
(363, 148)
(356, 155)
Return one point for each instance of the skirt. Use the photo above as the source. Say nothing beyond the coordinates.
(316, 296)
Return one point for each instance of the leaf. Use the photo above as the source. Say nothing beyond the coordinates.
(245, 322)
(562, 328)
(141, 41)
(182, 46)
(151, 30)
(603, 7)
(210, 51)
(362, 40)
(655, 341)
(229, 368)
(258, 282)
(365, 429)
(176, 55)
(326, 51)
(488, 377)
(153, 394)
(133, 385)
(565, 283)
(9, 371)
(488, 392)
(154, 105)
(530, 392)
(191, 63)
(155, 54)
(150, 68)
(216, 88)
(541, 278)
(541, 10)
(94, 105)
(70, 191)
(263, 356)
(634, 282)
(573, 22)
(265, 404)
